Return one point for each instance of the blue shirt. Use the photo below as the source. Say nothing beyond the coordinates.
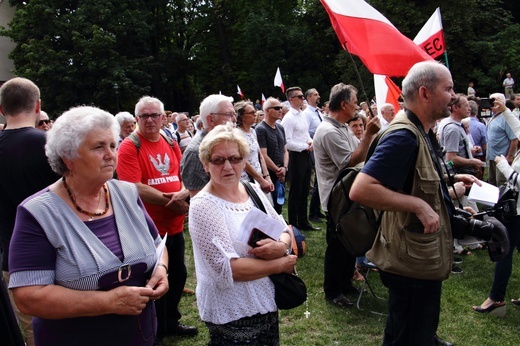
(478, 133)
(499, 136)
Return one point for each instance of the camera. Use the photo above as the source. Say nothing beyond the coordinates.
(485, 227)
(486, 103)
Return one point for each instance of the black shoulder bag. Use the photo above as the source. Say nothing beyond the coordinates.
(289, 289)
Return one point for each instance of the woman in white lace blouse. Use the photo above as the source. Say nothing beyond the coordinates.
(235, 296)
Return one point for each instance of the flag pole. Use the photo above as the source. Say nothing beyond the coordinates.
(359, 78)
(446, 59)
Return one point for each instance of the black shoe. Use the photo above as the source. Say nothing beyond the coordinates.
(457, 260)
(456, 270)
(351, 291)
(184, 330)
(341, 301)
(321, 215)
(315, 219)
(439, 342)
(308, 227)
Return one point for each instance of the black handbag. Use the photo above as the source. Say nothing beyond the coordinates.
(507, 198)
(289, 289)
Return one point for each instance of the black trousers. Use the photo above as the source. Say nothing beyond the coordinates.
(300, 176)
(339, 265)
(168, 314)
(314, 206)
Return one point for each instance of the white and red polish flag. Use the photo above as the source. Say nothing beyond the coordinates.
(386, 92)
(239, 92)
(263, 99)
(365, 32)
(278, 80)
(431, 36)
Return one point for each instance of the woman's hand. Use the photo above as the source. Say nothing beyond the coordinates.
(499, 159)
(498, 107)
(129, 300)
(158, 283)
(467, 179)
(288, 263)
(269, 249)
(266, 184)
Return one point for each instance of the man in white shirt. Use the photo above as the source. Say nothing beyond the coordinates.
(387, 115)
(299, 145)
(508, 85)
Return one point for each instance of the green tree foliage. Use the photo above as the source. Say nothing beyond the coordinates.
(184, 50)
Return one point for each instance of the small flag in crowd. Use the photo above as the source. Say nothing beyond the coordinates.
(386, 91)
(278, 80)
(239, 92)
(263, 99)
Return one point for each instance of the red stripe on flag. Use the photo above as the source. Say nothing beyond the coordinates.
(381, 47)
(434, 45)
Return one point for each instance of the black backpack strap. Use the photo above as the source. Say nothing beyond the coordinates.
(254, 196)
(134, 137)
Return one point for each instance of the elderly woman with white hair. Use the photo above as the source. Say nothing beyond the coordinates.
(501, 140)
(83, 253)
(235, 296)
(127, 124)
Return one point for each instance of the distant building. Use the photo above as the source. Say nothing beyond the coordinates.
(6, 45)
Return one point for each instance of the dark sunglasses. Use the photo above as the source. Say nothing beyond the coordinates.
(276, 108)
(301, 97)
(40, 123)
(218, 161)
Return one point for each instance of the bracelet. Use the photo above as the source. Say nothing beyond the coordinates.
(265, 176)
(287, 247)
(165, 267)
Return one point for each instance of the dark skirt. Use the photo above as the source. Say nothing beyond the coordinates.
(257, 330)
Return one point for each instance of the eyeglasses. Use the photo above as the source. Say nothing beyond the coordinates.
(276, 108)
(230, 114)
(40, 123)
(218, 161)
(154, 116)
(168, 115)
(301, 97)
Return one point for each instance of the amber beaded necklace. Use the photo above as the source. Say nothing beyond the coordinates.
(83, 211)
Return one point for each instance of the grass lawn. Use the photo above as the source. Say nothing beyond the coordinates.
(330, 325)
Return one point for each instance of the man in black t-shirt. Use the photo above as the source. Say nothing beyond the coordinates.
(271, 139)
(24, 169)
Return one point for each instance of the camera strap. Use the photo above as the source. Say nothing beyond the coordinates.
(435, 152)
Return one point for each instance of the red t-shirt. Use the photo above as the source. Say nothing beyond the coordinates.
(158, 166)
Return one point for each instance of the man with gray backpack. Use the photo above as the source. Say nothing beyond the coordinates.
(336, 147)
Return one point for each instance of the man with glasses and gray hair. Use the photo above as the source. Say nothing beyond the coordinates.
(152, 162)
(214, 110)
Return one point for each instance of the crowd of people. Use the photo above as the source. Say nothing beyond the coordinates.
(92, 217)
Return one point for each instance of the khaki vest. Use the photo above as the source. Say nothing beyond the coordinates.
(401, 247)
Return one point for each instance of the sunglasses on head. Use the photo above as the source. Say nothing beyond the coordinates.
(40, 123)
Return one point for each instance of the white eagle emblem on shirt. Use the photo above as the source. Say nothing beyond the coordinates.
(162, 167)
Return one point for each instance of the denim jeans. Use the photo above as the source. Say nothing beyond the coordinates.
(413, 310)
(504, 267)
